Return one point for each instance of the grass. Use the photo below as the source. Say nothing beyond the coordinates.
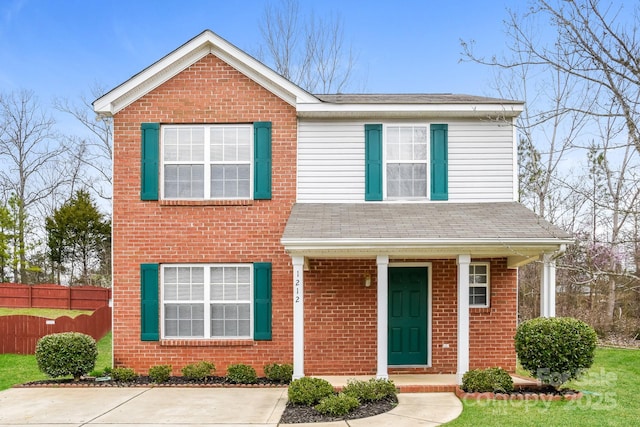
(19, 369)
(611, 389)
(49, 313)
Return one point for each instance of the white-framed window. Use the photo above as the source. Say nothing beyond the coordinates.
(479, 284)
(202, 301)
(406, 161)
(207, 161)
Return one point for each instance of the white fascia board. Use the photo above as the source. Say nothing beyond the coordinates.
(328, 110)
(188, 54)
(337, 243)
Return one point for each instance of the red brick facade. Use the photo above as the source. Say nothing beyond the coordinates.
(340, 312)
(209, 91)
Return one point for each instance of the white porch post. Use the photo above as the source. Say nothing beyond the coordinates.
(383, 291)
(298, 317)
(548, 286)
(463, 315)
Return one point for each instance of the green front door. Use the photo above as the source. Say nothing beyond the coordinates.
(407, 316)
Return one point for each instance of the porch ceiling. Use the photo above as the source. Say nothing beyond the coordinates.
(420, 230)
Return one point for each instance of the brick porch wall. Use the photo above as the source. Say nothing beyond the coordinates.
(209, 91)
(340, 319)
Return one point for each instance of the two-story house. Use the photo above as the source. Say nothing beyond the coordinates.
(254, 222)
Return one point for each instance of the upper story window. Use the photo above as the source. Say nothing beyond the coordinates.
(479, 285)
(406, 162)
(207, 162)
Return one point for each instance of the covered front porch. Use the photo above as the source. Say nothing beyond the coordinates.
(444, 240)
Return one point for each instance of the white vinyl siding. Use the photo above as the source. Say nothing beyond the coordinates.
(331, 160)
(480, 161)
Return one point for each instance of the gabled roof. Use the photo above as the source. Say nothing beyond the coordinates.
(186, 55)
(339, 106)
(505, 229)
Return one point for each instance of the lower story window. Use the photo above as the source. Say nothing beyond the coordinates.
(479, 285)
(207, 301)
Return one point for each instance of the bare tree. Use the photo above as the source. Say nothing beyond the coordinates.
(95, 151)
(306, 50)
(591, 68)
(597, 45)
(28, 154)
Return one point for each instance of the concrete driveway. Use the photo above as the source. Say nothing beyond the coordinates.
(198, 406)
(142, 406)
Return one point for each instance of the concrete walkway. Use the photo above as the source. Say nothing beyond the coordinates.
(162, 406)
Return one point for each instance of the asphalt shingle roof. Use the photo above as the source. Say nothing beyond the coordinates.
(429, 98)
(464, 221)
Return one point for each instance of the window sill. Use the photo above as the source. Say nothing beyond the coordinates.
(207, 343)
(243, 202)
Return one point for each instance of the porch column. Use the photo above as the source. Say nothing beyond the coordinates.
(383, 291)
(298, 317)
(548, 286)
(463, 316)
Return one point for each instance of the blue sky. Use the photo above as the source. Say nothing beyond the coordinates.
(61, 47)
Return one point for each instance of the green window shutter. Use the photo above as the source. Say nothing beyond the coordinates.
(262, 160)
(439, 162)
(150, 155)
(373, 162)
(149, 330)
(262, 301)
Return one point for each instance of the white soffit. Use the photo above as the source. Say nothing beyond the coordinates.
(188, 54)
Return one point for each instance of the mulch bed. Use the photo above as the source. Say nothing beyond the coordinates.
(294, 414)
(145, 381)
(525, 393)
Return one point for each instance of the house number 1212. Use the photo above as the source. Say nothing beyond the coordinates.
(297, 288)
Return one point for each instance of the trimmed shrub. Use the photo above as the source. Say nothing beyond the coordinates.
(555, 350)
(492, 380)
(309, 391)
(241, 374)
(123, 374)
(67, 353)
(198, 371)
(160, 373)
(337, 405)
(370, 391)
(279, 372)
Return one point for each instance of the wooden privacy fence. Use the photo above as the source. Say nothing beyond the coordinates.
(53, 296)
(19, 334)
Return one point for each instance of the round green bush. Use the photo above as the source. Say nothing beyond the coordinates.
(123, 374)
(370, 391)
(337, 405)
(309, 391)
(492, 380)
(198, 371)
(160, 373)
(67, 353)
(241, 374)
(555, 350)
(277, 372)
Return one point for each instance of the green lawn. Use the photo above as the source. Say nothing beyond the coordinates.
(611, 389)
(49, 313)
(18, 369)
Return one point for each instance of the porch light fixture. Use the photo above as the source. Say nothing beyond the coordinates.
(367, 281)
